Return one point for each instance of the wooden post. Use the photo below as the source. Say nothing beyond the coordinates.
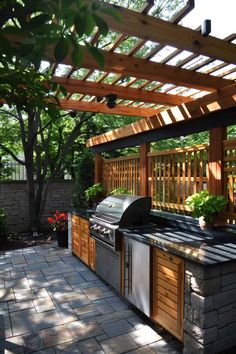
(216, 166)
(216, 172)
(144, 149)
(98, 168)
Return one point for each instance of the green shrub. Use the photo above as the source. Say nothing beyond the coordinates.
(84, 179)
(94, 193)
(119, 190)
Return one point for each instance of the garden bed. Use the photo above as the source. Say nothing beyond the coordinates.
(13, 241)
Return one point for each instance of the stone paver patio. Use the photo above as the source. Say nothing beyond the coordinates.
(50, 302)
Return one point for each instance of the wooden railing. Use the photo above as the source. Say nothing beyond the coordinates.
(176, 174)
(229, 147)
(173, 175)
(122, 172)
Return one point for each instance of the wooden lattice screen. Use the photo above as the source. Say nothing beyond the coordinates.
(229, 147)
(122, 172)
(176, 174)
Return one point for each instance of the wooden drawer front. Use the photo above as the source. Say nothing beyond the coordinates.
(92, 253)
(84, 224)
(168, 285)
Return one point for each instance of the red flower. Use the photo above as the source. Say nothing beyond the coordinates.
(51, 220)
(59, 220)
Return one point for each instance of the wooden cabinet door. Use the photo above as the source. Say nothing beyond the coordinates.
(168, 286)
(84, 245)
(92, 253)
(76, 235)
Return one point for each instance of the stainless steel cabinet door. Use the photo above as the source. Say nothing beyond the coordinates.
(137, 274)
(108, 265)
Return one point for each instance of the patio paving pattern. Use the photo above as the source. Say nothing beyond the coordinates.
(50, 302)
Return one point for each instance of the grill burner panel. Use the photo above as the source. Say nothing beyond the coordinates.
(118, 211)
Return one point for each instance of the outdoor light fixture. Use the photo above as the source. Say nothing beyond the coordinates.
(73, 113)
(206, 28)
(111, 100)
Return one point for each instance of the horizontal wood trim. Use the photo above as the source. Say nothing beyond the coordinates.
(169, 265)
(184, 113)
(171, 312)
(167, 302)
(118, 159)
(169, 257)
(199, 147)
(172, 206)
(167, 294)
(167, 286)
(167, 278)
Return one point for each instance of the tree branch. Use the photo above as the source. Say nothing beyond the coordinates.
(8, 151)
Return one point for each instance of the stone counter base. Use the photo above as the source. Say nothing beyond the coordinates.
(210, 308)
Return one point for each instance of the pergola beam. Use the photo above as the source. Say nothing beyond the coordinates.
(144, 69)
(86, 106)
(222, 99)
(149, 70)
(101, 89)
(164, 32)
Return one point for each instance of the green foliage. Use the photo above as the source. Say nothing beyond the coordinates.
(84, 179)
(44, 22)
(94, 193)
(2, 222)
(206, 204)
(119, 190)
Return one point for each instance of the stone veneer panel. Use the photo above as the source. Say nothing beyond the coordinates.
(210, 308)
(13, 198)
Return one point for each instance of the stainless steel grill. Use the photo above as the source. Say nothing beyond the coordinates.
(116, 212)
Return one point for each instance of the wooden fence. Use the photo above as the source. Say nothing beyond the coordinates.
(173, 175)
(122, 172)
(176, 174)
(229, 166)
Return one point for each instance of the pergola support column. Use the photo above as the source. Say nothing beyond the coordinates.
(144, 149)
(216, 182)
(216, 172)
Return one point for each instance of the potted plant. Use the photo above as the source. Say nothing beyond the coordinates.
(59, 222)
(94, 194)
(206, 206)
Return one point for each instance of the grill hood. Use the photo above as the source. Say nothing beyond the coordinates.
(124, 210)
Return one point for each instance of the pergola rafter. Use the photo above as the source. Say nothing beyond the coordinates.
(148, 71)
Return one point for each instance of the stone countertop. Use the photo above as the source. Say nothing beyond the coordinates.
(206, 248)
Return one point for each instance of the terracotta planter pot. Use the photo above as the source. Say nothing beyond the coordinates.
(204, 225)
(62, 238)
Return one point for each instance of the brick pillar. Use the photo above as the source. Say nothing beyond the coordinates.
(144, 149)
(98, 168)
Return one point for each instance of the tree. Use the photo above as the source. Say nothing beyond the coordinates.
(28, 28)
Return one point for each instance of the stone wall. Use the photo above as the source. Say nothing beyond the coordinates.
(13, 199)
(210, 308)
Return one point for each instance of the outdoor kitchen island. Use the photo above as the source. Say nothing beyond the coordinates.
(192, 280)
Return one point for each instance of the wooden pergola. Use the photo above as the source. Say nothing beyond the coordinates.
(177, 80)
(169, 73)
